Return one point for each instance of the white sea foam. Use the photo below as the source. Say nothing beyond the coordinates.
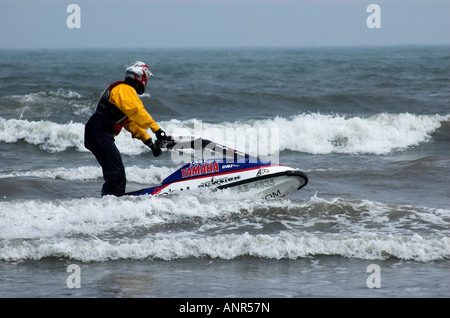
(310, 133)
(284, 245)
(48, 135)
(43, 96)
(111, 228)
(136, 174)
(378, 134)
(76, 174)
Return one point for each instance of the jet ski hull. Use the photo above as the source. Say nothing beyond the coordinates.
(267, 182)
(230, 169)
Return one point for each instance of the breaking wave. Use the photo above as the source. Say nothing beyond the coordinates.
(310, 133)
(136, 174)
(190, 226)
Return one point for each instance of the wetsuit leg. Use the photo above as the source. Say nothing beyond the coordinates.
(102, 145)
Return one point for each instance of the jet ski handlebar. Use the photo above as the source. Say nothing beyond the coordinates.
(168, 142)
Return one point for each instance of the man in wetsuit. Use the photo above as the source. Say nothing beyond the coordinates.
(119, 106)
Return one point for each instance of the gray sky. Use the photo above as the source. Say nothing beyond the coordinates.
(221, 23)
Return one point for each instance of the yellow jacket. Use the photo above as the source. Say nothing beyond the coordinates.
(138, 119)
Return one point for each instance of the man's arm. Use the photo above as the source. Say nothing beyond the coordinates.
(127, 100)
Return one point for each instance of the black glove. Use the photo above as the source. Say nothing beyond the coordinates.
(164, 141)
(161, 135)
(156, 150)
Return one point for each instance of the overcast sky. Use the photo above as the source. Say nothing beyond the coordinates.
(221, 23)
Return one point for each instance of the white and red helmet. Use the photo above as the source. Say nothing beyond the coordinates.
(139, 71)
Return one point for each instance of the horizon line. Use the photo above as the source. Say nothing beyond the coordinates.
(315, 46)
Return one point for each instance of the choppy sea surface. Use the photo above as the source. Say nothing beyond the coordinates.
(369, 126)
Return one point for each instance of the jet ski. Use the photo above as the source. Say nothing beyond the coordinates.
(227, 168)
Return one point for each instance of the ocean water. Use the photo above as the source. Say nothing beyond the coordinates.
(369, 126)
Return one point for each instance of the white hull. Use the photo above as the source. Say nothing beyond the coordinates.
(266, 182)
